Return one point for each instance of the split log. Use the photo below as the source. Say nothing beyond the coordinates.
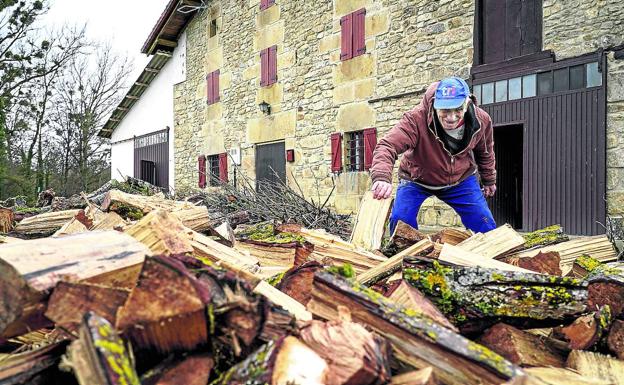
(69, 303)
(461, 257)
(6, 220)
(615, 340)
(43, 225)
(283, 300)
(586, 331)
(99, 356)
(584, 265)
(210, 251)
(545, 263)
(191, 370)
(136, 206)
(270, 254)
(108, 221)
(297, 282)
(413, 300)
(162, 232)
(393, 264)
(370, 222)
(474, 293)
(354, 355)
(33, 366)
(417, 377)
(520, 347)
(606, 287)
(493, 243)
(403, 237)
(416, 340)
(559, 376)
(545, 335)
(285, 361)
(543, 237)
(31, 268)
(166, 310)
(451, 236)
(225, 232)
(597, 365)
(195, 217)
(78, 224)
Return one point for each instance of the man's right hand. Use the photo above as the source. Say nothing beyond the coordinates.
(381, 190)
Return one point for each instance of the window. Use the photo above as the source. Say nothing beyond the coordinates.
(212, 86)
(268, 66)
(201, 170)
(148, 171)
(352, 35)
(212, 30)
(217, 168)
(264, 4)
(358, 150)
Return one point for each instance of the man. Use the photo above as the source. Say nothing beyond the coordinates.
(446, 139)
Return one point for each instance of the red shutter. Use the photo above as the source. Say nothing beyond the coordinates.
(264, 67)
(359, 40)
(209, 89)
(370, 141)
(215, 86)
(201, 163)
(264, 4)
(346, 37)
(223, 170)
(270, 3)
(336, 152)
(272, 65)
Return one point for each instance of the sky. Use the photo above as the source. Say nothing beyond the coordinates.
(124, 23)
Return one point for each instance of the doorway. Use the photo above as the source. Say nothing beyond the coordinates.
(506, 205)
(270, 163)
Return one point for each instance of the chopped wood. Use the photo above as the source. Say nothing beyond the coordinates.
(545, 334)
(458, 256)
(584, 265)
(370, 222)
(297, 282)
(32, 366)
(414, 301)
(166, 310)
(162, 232)
(403, 237)
(416, 340)
(520, 347)
(194, 217)
(281, 362)
(6, 220)
(615, 340)
(283, 300)
(135, 206)
(31, 268)
(545, 263)
(451, 236)
(597, 365)
(210, 251)
(587, 330)
(559, 376)
(354, 355)
(393, 264)
(74, 226)
(417, 377)
(43, 225)
(224, 230)
(469, 294)
(543, 237)
(606, 287)
(493, 243)
(191, 370)
(99, 356)
(108, 221)
(5, 239)
(270, 254)
(70, 301)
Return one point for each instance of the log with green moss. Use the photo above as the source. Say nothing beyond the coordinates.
(606, 287)
(546, 236)
(469, 294)
(584, 265)
(417, 341)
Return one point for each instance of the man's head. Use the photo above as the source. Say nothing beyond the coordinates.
(451, 101)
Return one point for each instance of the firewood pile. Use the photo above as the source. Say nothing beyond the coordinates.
(146, 290)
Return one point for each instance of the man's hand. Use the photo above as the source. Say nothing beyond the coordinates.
(381, 190)
(488, 191)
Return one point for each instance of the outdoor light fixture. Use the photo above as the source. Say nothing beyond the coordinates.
(265, 108)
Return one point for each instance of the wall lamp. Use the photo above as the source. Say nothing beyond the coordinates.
(265, 108)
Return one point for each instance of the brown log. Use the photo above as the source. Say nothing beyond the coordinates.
(270, 254)
(43, 225)
(403, 237)
(195, 217)
(355, 356)
(32, 367)
(520, 347)
(451, 236)
(416, 340)
(597, 365)
(162, 232)
(417, 377)
(31, 268)
(545, 263)
(584, 265)
(370, 222)
(283, 300)
(297, 282)
(6, 220)
(135, 206)
(69, 303)
(166, 310)
(413, 300)
(586, 331)
(606, 287)
(191, 370)
(99, 356)
(615, 341)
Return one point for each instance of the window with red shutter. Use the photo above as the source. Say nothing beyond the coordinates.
(223, 168)
(264, 4)
(370, 141)
(346, 37)
(272, 65)
(336, 152)
(264, 67)
(359, 41)
(201, 168)
(215, 86)
(209, 89)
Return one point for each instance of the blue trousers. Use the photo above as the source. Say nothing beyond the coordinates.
(465, 198)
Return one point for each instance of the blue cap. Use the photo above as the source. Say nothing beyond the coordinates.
(451, 93)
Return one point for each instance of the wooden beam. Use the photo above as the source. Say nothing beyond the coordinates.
(166, 43)
(152, 70)
(139, 84)
(120, 108)
(132, 97)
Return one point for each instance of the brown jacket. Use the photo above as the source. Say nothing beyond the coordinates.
(426, 159)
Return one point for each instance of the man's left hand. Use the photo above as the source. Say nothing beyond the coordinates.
(488, 191)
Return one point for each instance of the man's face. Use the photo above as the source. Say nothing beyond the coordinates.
(450, 118)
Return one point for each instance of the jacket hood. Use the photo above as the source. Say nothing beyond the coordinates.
(427, 101)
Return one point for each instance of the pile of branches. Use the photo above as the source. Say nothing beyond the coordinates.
(277, 201)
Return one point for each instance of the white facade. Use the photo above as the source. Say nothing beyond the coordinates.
(152, 112)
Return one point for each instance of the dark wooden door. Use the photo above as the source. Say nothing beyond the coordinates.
(506, 205)
(270, 163)
(151, 158)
